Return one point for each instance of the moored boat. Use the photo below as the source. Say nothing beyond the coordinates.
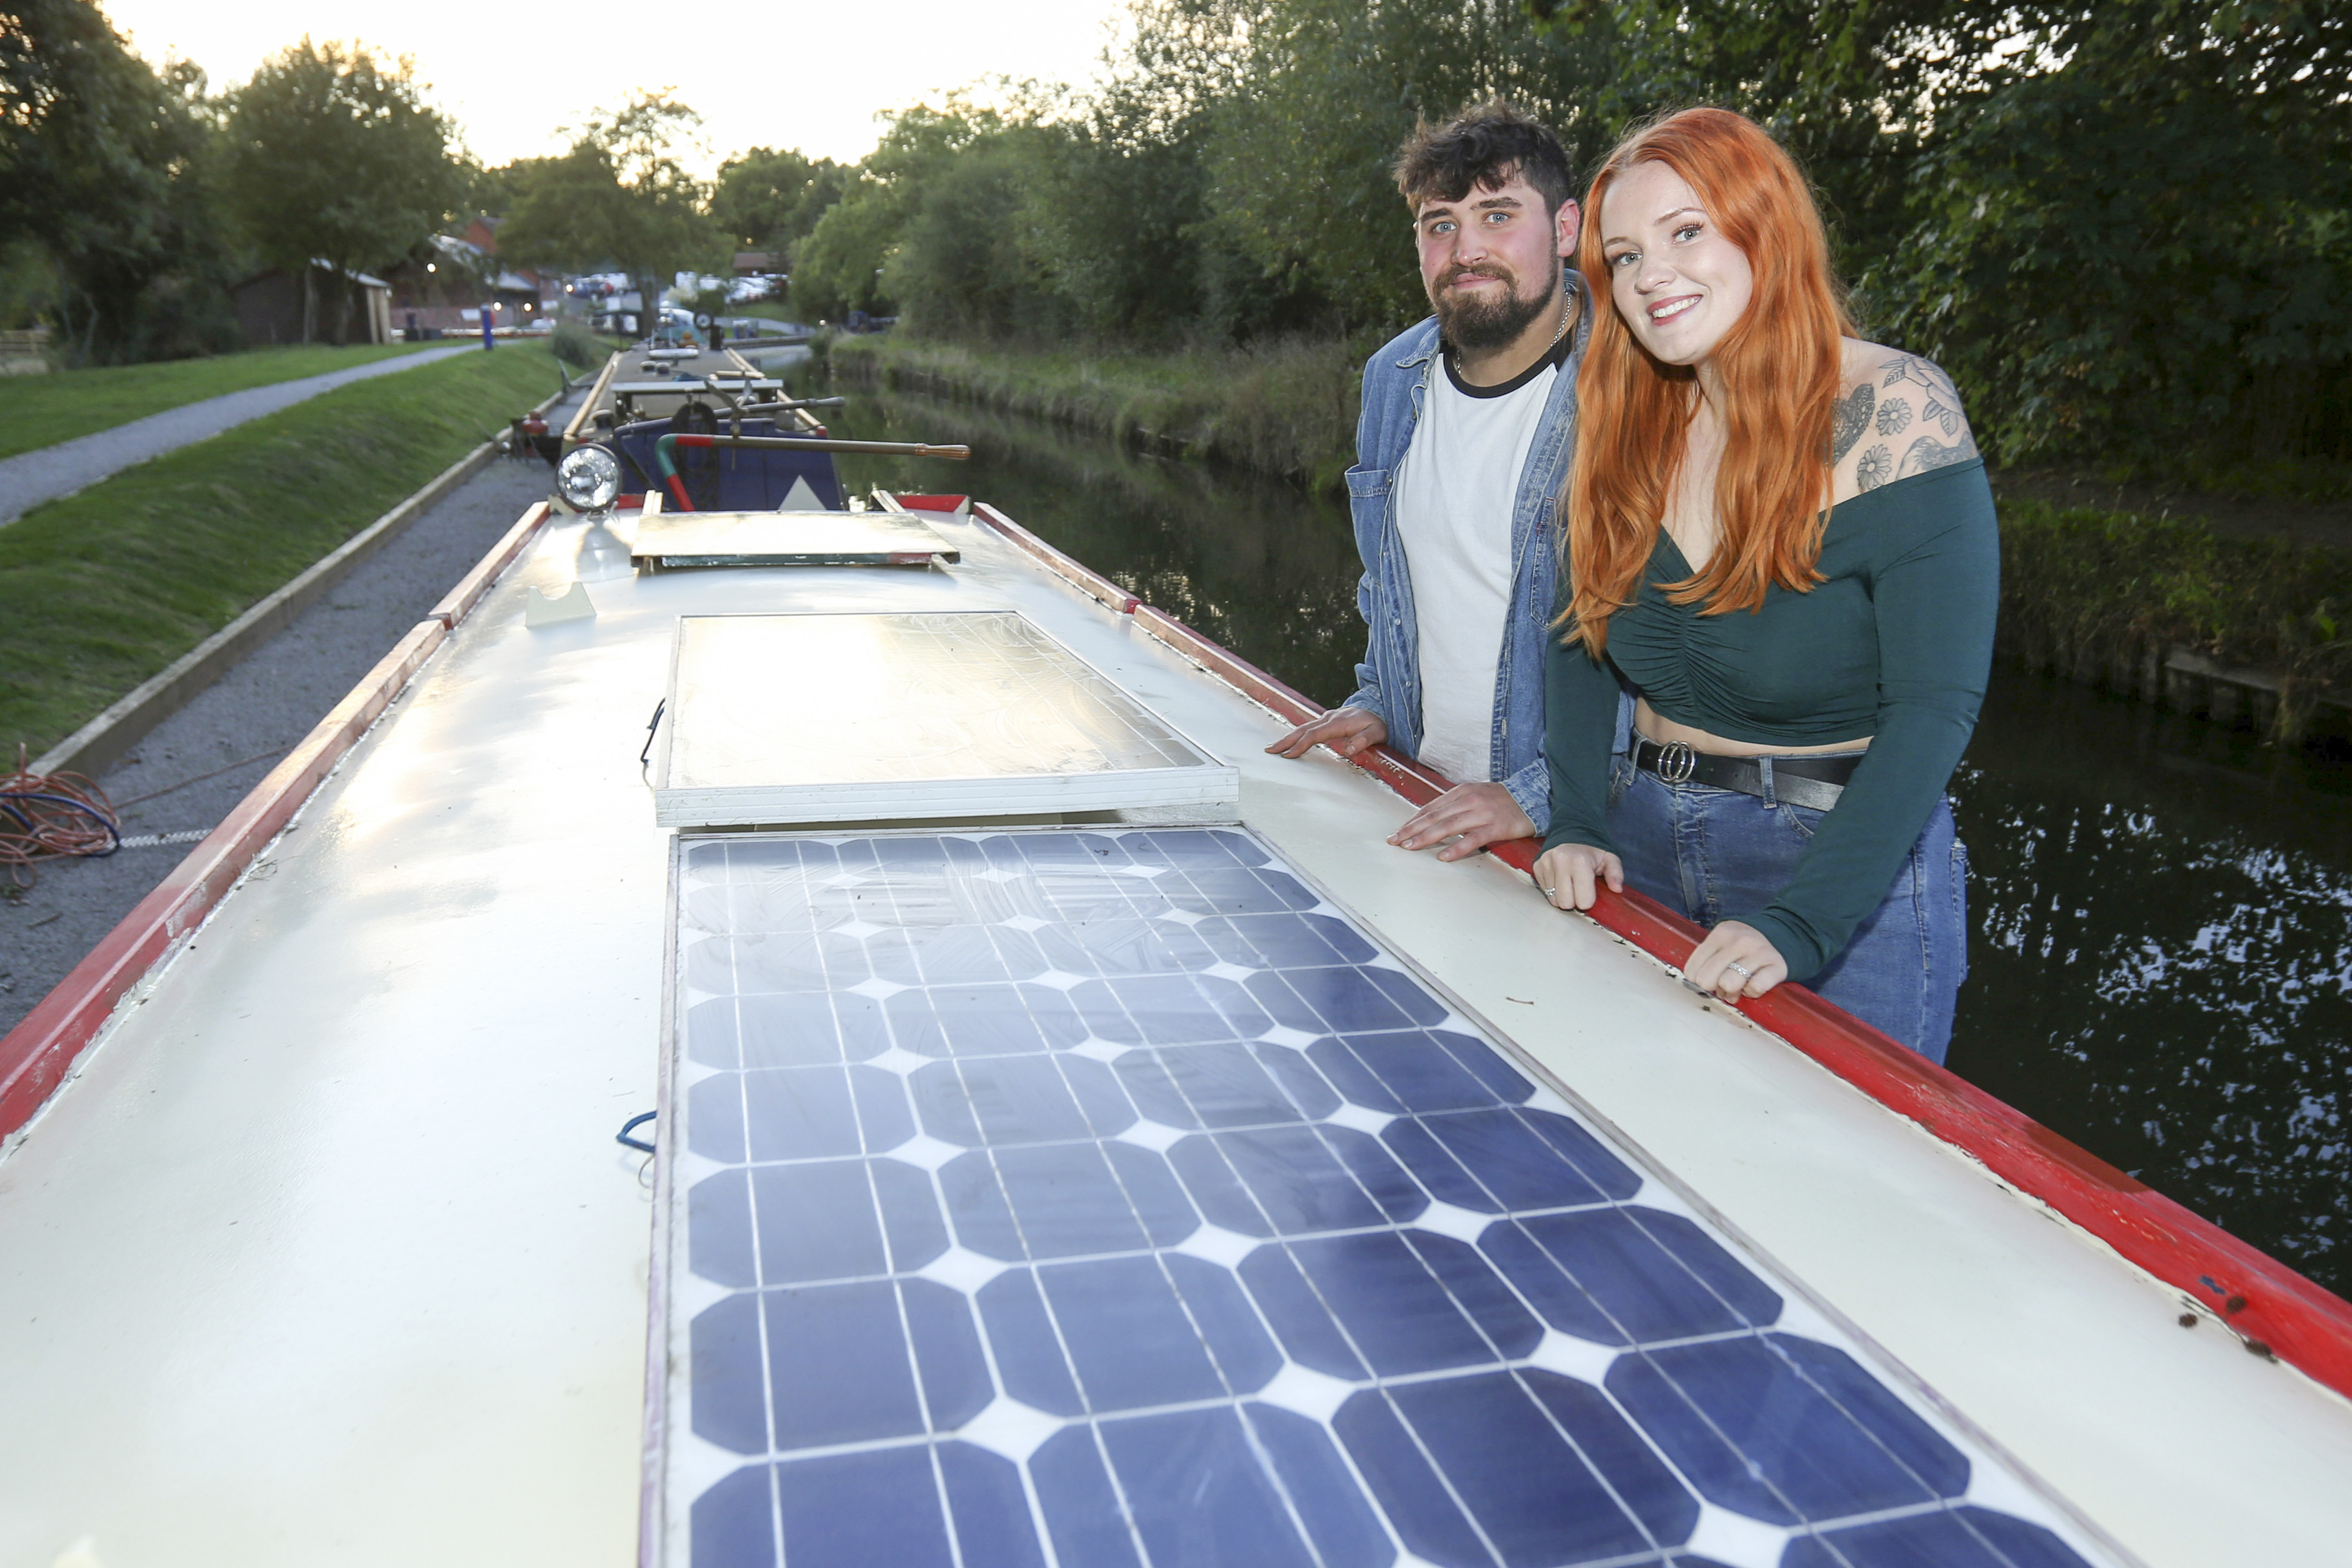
(1193, 1180)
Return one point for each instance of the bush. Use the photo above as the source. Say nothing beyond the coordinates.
(574, 345)
(2096, 594)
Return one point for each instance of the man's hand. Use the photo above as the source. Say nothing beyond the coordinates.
(1569, 874)
(1479, 814)
(1736, 961)
(1346, 730)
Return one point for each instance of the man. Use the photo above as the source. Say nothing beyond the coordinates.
(1468, 424)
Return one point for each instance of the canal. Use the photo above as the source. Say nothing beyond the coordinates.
(2161, 958)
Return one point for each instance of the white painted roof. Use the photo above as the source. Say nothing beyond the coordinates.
(328, 1255)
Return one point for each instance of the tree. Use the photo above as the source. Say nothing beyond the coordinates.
(101, 173)
(2137, 243)
(841, 265)
(497, 192)
(332, 157)
(621, 194)
(765, 199)
(2121, 225)
(1299, 154)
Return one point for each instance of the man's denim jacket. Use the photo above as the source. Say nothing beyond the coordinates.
(1388, 682)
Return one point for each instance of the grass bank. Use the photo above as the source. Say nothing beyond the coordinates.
(1285, 408)
(102, 589)
(38, 411)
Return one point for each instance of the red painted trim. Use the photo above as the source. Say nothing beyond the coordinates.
(1088, 581)
(36, 1054)
(933, 503)
(2273, 1308)
(459, 601)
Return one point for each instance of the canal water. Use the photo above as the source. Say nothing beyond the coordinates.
(2161, 958)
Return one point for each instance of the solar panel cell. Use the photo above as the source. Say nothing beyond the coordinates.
(1962, 1538)
(1108, 1196)
(1647, 1275)
(1199, 1494)
(990, 1509)
(734, 1522)
(1492, 1160)
(1081, 1507)
(1784, 1429)
(1224, 1085)
(853, 1511)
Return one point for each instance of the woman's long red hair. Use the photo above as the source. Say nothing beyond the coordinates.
(1780, 364)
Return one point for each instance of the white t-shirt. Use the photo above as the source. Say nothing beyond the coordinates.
(1454, 496)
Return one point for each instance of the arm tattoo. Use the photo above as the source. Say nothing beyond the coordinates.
(1928, 452)
(1876, 467)
(1942, 409)
(1852, 418)
(1893, 417)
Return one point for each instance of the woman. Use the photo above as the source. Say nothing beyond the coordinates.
(1781, 541)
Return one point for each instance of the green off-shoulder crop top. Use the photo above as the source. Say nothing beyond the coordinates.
(1894, 644)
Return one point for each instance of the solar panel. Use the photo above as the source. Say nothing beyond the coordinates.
(1109, 1199)
(794, 538)
(838, 717)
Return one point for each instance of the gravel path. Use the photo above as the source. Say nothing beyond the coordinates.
(31, 478)
(245, 722)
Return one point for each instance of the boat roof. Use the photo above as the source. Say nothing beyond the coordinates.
(327, 1253)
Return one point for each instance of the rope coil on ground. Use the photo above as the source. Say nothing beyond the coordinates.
(51, 816)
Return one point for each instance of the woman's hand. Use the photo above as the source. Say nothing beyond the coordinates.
(1569, 874)
(1736, 961)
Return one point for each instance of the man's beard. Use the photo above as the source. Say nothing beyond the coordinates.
(1473, 322)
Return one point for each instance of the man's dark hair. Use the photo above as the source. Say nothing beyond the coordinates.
(1484, 146)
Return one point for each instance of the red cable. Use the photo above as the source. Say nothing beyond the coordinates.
(51, 816)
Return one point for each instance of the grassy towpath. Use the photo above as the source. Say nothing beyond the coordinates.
(38, 411)
(103, 589)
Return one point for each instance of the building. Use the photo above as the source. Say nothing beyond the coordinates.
(273, 306)
(445, 292)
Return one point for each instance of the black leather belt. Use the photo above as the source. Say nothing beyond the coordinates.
(1814, 783)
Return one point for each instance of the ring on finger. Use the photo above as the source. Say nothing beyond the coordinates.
(1744, 972)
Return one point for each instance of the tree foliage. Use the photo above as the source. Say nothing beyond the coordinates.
(103, 207)
(2121, 224)
(765, 199)
(331, 153)
(2126, 226)
(622, 195)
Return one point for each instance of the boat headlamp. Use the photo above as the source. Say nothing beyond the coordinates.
(589, 479)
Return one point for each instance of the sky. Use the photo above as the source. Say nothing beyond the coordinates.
(810, 76)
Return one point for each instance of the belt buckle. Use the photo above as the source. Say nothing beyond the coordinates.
(1676, 761)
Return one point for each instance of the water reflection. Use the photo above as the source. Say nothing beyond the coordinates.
(1252, 561)
(2162, 955)
(2162, 958)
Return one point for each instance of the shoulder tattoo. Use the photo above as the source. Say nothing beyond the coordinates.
(1940, 411)
(1852, 417)
(1876, 467)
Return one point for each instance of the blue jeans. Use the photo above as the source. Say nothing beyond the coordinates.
(1717, 855)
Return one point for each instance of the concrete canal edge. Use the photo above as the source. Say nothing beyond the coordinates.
(105, 739)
